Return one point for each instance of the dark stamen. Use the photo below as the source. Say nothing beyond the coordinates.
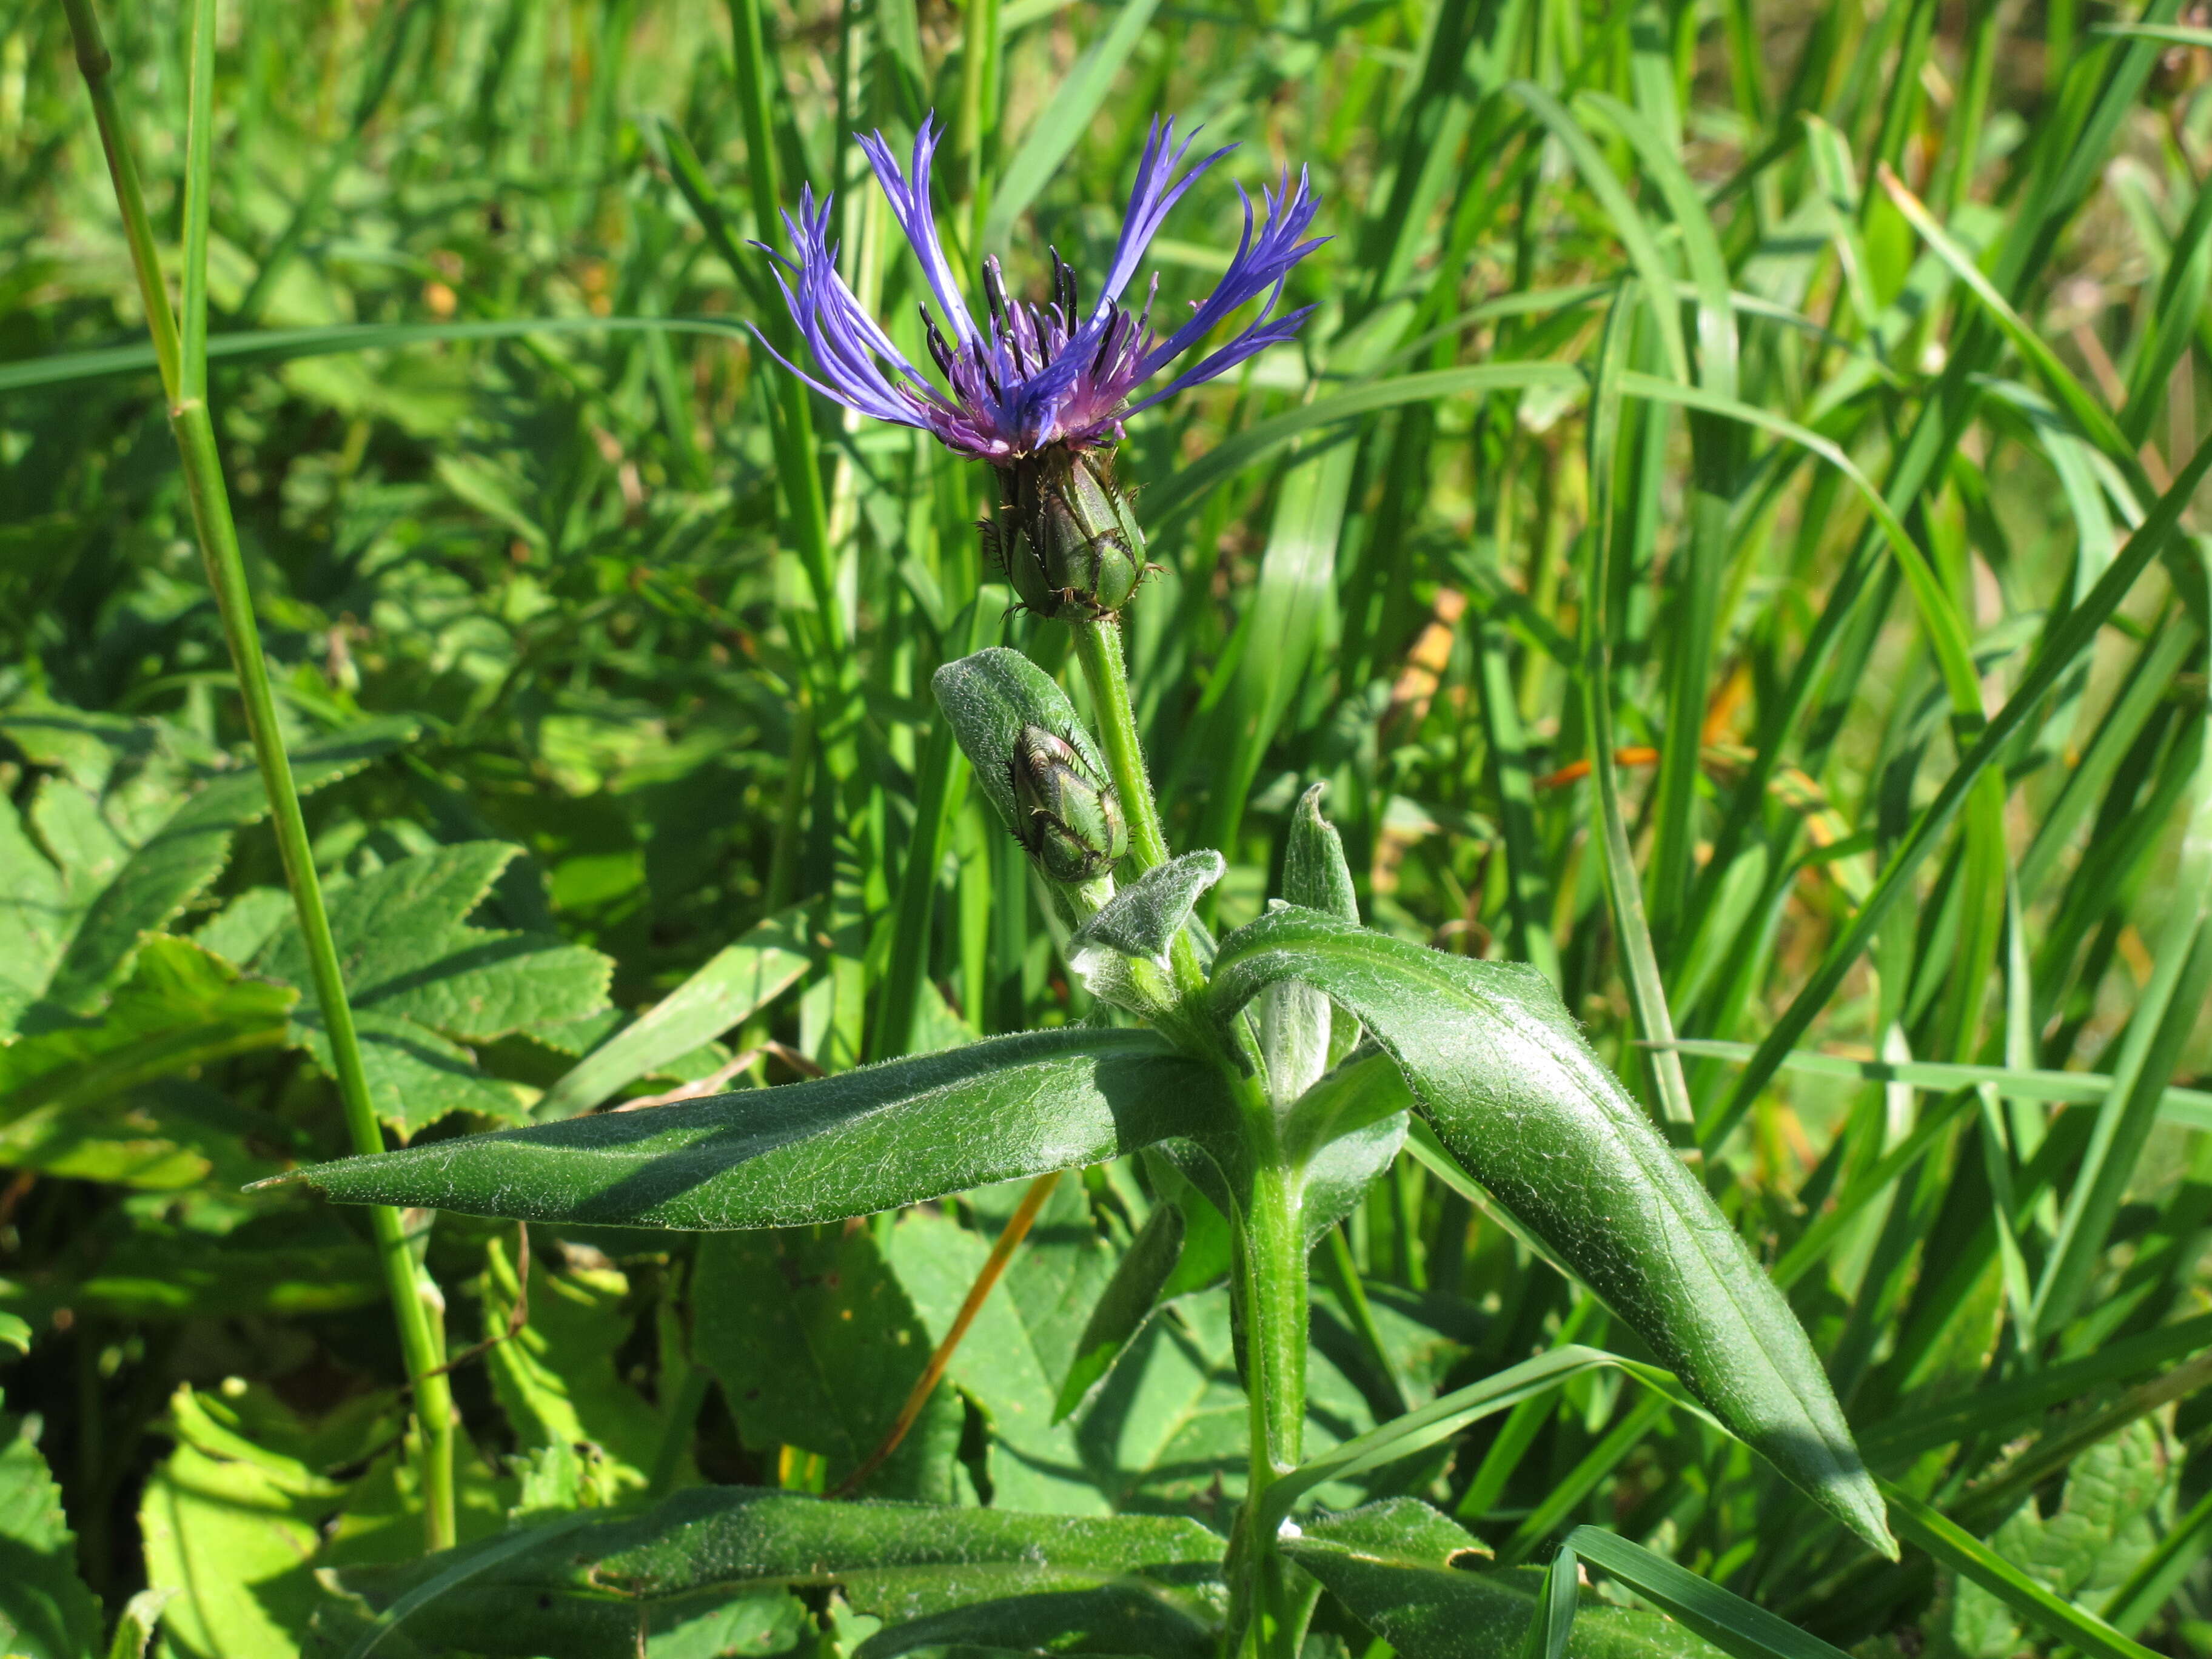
(995, 288)
(938, 351)
(1063, 285)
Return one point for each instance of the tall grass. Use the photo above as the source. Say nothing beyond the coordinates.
(1714, 541)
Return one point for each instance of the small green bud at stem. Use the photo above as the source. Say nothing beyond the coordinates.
(1065, 536)
(1066, 816)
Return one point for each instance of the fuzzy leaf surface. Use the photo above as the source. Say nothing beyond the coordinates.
(1143, 919)
(987, 698)
(862, 1141)
(1498, 1066)
(585, 1591)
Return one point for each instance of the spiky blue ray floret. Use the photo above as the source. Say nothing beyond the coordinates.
(1031, 376)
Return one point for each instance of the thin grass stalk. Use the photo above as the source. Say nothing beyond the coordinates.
(185, 381)
(2071, 638)
(1647, 990)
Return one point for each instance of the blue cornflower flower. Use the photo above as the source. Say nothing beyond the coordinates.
(1038, 375)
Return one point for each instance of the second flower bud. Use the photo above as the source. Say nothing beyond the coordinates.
(1066, 816)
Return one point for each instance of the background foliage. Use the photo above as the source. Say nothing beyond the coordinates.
(592, 726)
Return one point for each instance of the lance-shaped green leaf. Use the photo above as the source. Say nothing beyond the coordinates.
(1316, 873)
(866, 1140)
(995, 1577)
(1126, 1302)
(1137, 926)
(1497, 1064)
(1425, 1587)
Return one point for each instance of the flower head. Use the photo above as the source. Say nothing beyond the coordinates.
(1034, 376)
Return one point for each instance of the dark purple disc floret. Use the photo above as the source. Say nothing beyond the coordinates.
(1034, 376)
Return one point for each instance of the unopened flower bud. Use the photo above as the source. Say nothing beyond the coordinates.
(1065, 536)
(1066, 816)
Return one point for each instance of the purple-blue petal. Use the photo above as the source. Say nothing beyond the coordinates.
(1156, 191)
(909, 201)
(1252, 342)
(1262, 263)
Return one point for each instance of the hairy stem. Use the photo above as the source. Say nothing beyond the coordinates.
(183, 359)
(1271, 1289)
(1098, 648)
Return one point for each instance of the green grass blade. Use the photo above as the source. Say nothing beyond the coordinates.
(1731, 1624)
(1066, 111)
(1970, 1558)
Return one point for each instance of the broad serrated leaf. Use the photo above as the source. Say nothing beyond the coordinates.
(182, 1007)
(1427, 1587)
(231, 1523)
(129, 851)
(1021, 1342)
(423, 982)
(817, 1346)
(586, 1591)
(2106, 1519)
(1499, 1067)
(45, 1611)
(555, 1377)
(176, 863)
(865, 1141)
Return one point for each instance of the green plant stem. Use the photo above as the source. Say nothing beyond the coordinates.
(92, 60)
(1272, 1286)
(419, 1341)
(1098, 648)
(1271, 1265)
(194, 429)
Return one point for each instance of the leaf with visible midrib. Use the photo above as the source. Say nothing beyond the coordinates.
(865, 1141)
(582, 1591)
(1497, 1064)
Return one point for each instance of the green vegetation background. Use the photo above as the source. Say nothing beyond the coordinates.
(576, 728)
